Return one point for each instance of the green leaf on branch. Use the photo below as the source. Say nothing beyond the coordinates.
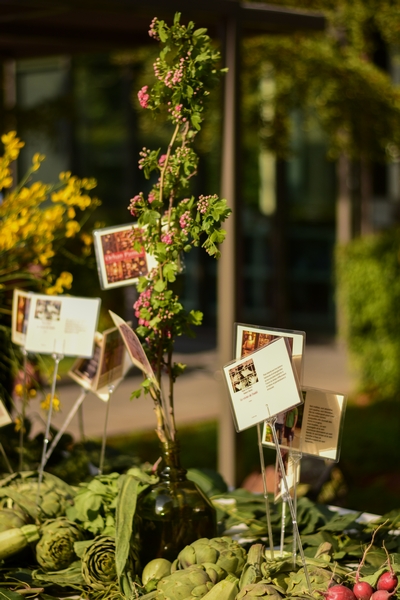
(160, 285)
(169, 272)
(196, 120)
(195, 317)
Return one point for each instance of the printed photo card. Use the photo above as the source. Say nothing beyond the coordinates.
(5, 418)
(262, 384)
(107, 367)
(314, 427)
(118, 263)
(134, 348)
(249, 338)
(19, 320)
(62, 325)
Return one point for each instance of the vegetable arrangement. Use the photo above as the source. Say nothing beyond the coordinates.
(59, 541)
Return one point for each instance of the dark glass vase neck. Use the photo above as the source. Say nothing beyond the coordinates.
(170, 466)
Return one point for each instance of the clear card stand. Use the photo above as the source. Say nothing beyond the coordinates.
(23, 411)
(6, 461)
(69, 417)
(57, 358)
(111, 388)
(296, 532)
(283, 521)
(263, 474)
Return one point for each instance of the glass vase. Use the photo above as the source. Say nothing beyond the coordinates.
(174, 512)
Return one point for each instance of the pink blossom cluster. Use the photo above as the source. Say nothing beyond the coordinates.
(204, 202)
(144, 96)
(176, 113)
(132, 204)
(142, 302)
(152, 31)
(167, 238)
(144, 153)
(173, 76)
(162, 159)
(185, 222)
(151, 197)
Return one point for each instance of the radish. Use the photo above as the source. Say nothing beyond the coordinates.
(339, 592)
(363, 590)
(388, 581)
(382, 595)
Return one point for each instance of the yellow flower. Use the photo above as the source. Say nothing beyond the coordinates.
(45, 404)
(18, 424)
(87, 239)
(19, 390)
(72, 227)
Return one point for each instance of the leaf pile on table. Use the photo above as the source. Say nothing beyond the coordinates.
(59, 541)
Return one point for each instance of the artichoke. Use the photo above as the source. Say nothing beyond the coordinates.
(11, 518)
(98, 563)
(155, 570)
(259, 590)
(252, 569)
(189, 583)
(222, 551)
(22, 489)
(55, 549)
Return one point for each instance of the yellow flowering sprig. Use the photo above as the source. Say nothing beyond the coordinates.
(36, 219)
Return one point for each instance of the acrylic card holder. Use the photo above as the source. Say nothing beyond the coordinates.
(118, 263)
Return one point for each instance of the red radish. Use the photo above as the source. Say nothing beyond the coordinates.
(382, 595)
(363, 590)
(388, 581)
(339, 592)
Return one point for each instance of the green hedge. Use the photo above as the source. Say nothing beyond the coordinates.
(368, 294)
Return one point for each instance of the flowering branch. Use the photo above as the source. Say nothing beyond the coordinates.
(171, 221)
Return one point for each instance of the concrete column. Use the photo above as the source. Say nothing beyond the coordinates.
(226, 286)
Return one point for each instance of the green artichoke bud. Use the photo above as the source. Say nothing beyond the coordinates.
(252, 569)
(22, 488)
(12, 517)
(192, 582)
(55, 549)
(215, 572)
(258, 590)
(155, 570)
(98, 563)
(222, 551)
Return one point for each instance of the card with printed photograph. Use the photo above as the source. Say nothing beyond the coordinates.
(63, 325)
(118, 263)
(19, 321)
(107, 367)
(262, 384)
(314, 427)
(249, 338)
(135, 349)
(5, 418)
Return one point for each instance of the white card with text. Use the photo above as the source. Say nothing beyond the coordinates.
(262, 384)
